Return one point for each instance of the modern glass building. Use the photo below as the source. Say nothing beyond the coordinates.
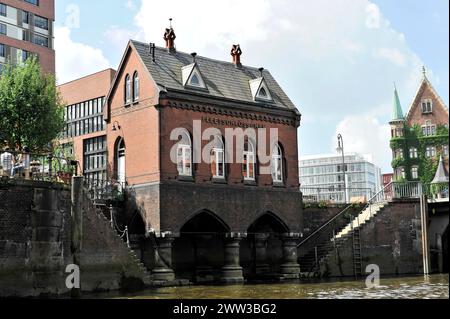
(322, 178)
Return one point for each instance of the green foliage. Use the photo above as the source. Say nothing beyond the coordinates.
(323, 205)
(31, 111)
(414, 138)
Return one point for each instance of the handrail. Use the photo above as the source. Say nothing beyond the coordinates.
(340, 214)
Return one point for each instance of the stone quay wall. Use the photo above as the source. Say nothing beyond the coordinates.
(35, 244)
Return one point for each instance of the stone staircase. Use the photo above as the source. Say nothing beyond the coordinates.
(364, 217)
(132, 260)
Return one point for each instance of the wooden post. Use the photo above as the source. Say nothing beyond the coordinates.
(424, 230)
(77, 226)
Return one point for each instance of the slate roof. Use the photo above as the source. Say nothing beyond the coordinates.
(222, 79)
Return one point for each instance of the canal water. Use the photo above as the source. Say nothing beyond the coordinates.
(432, 287)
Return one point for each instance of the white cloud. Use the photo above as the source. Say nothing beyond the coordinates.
(364, 134)
(73, 59)
(373, 20)
(393, 55)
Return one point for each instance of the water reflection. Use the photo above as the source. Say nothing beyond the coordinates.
(433, 287)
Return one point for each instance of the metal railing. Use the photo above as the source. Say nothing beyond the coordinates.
(436, 192)
(335, 195)
(37, 166)
(104, 190)
(406, 190)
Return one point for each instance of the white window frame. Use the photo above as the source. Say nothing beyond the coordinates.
(128, 89)
(413, 153)
(136, 86)
(184, 155)
(430, 151)
(428, 103)
(218, 157)
(415, 172)
(249, 161)
(429, 129)
(277, 164)
(445, 150)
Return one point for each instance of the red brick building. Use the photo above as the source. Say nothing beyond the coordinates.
(420, 138)
(204, 220)
(26, 28)
(84, 135)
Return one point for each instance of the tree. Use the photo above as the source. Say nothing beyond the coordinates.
(31, 109)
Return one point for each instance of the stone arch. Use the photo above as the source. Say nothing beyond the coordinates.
(199, 251)
(262, 251)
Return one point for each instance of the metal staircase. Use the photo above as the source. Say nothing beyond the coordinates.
(318, 246)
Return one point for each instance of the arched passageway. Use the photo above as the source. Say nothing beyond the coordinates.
(199, 251)
(268, 251)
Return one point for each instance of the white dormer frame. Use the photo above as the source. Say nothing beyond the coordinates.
(260, 90)
(191, 72)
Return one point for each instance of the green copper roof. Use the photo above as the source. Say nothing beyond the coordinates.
(397, 113)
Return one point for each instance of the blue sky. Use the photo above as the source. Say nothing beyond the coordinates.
(337, 60)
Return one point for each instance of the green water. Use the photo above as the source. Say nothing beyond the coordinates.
(433, 287)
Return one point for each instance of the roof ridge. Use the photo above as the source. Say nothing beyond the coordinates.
(200, 56)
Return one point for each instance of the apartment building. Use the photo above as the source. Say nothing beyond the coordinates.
(26, 29)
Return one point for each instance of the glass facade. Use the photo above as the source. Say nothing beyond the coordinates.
(84, 118)
(323, 177)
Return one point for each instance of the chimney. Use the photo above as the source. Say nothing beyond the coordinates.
(152, 51)
(236, 53)
(169, 37)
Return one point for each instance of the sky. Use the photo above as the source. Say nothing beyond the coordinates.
(336, 59)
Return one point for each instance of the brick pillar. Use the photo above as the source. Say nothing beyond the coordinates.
(290, 269)
(232, 271)
(261, 265)
(163, 258)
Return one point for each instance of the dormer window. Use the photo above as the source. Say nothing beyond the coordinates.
(194, 80)
(260, 90)
(427, 106)
(192, 77)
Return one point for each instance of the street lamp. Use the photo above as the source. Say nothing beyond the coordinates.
(340, 149)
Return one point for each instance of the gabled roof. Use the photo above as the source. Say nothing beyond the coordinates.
(425, 82)
(397, 113)
(223, 79)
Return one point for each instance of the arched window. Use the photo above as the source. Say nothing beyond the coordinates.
(127, 89)
(277, 164)
(248, 166)
(120, 162)
(135, 86)
(184, 155)
(218, 158)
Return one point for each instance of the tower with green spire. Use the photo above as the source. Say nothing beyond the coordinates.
(398, 143)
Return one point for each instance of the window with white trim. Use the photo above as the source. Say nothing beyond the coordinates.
(135, 86)
(427, 106)
(184, 155)
(248, 166)
(415, 172)
(277, 164)
(399, 153)
(127, 89)
(218, 158)
(401, 173)
(430, 151)
(413, 152)
(429, 129)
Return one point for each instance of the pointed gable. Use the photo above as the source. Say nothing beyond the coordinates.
(192, 77)
(427, 105)
(260, 90)
(397, 113)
